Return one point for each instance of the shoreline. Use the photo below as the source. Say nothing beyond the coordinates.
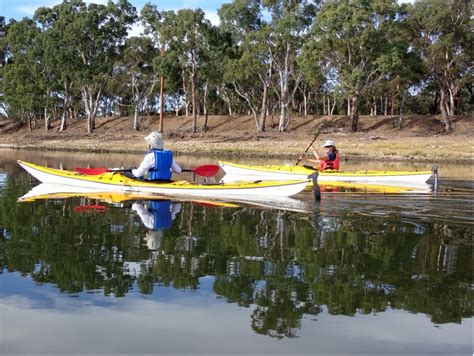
(421, 139)
(227, 154)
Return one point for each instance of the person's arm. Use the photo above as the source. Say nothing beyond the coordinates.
(315, 154)
(147, 163)
(145, 216)
(175, 167)
(175, 209)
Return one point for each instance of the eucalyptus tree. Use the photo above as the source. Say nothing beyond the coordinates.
(60, 52)
(353, 37)
(218, 49)
(189, 34)
(3, 56)
(169, 69)
(97, 33)
(22, 81)
(442, 32)
(253, 60)
(184, 32)
(154, 23)
(311, 65)
(290, 21)
(140, 77)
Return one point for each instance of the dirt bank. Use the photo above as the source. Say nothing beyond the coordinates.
(419, 138)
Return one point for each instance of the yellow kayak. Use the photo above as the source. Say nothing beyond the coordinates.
(404, 178)
(115, 181)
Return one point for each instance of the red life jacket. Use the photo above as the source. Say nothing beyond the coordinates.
(323, 165)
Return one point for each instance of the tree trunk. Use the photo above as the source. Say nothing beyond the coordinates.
(30, 126)
(62, 127)
(135, 118)
(392, 106)
(193, 98)
(46, 119)
(66, 108)
(263, 112)
(162, 104)
(284, 95)
(333, 107)
(226, 98)
(453, 93)
(283, 123)
(204, 104)
(90, 106)
(354, 116)
(448, 126)
(305, 104)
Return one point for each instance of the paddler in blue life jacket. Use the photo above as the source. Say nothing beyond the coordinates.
(329, 160)
(157, 217)
(158, 162)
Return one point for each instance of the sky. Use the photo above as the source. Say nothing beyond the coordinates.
(18, 9)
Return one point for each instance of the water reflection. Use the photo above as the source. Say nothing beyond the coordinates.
(349, 255)
(156, 215)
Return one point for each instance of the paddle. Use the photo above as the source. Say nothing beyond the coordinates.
(207, 170)
(316, 135)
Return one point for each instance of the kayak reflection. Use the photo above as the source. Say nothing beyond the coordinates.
(46, 191)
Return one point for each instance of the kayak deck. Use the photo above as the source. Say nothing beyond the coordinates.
(299, 172)
(113, 181)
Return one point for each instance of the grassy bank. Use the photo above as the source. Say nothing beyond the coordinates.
(379, 138)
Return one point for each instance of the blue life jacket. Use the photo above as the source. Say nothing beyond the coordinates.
(161, 211)
(162, 168)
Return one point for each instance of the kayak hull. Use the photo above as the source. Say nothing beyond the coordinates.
(113, 181)
(298, 172)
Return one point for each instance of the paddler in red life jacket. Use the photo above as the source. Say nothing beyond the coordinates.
(329, 160)
(158, 163)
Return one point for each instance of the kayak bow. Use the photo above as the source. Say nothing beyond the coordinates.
(112, 181)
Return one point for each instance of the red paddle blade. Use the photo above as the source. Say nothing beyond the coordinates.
(93, 207)
(91, 171)
(207, 170)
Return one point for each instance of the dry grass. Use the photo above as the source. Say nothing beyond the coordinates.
(420, 139)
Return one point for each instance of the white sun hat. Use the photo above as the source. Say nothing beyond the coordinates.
(155, 140)
(329, 143)
(153, 239)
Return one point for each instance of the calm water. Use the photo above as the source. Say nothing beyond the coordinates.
(355, 273)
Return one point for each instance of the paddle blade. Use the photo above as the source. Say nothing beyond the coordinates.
(91, 171)
(97, 171)
(93, 207)
(207, 170)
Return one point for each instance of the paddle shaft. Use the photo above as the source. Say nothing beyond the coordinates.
(316, 135)
(205, 170)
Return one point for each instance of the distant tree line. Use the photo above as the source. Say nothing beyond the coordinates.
(266, 57)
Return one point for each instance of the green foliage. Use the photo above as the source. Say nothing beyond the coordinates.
(264, 56)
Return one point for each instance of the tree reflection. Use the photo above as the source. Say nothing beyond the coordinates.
(282, 265)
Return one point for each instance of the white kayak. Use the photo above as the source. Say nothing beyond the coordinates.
(275, 172)
(115, 181)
